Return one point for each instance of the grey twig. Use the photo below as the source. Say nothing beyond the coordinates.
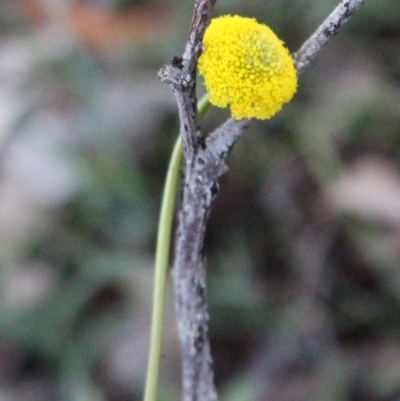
(181, 74)
(189, 273)
(200, 183)
(204, 164)
(325, 32)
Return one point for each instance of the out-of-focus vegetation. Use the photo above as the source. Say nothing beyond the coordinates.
(304, 241)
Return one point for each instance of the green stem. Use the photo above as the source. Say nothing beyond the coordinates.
(161, 262)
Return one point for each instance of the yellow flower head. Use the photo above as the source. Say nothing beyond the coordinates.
(245, 65)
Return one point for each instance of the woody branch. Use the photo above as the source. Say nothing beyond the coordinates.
(204, 164)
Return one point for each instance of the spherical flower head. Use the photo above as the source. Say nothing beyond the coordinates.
(246, 66)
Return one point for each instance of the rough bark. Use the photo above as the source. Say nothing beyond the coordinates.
(204, 164)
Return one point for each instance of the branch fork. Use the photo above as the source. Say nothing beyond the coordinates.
(204, 164)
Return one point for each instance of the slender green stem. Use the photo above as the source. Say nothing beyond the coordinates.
(161, 262)
(203, 105)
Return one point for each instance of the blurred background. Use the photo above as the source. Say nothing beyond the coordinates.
(303, 244)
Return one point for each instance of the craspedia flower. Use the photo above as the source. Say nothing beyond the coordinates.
(246, 66)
